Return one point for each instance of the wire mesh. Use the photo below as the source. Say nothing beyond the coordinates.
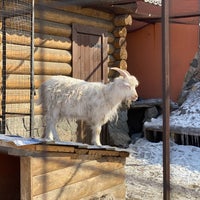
(16, 71)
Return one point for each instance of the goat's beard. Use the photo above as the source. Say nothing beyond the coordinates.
(126, 104)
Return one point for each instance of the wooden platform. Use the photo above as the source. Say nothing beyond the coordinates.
(60, 171)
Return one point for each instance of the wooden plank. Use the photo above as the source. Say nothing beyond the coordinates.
(54, 148)
(78, 172)
(85, 188)
(43, 165)
(28, 153)
(117, 192)
(26, 178)
(104, 152)
(11, 145)
(124, 154)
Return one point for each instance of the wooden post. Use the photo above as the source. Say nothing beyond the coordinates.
(26, 178)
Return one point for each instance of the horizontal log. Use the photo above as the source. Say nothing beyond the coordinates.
(43, 40)
(42, 26)
(122, 64)
(120, 42)
(129, 8)
(88, 3)
(40, 54)
(23, 81)
(40, 68)
(123, 20)
(49, 14)
(111, 37)
(79, 10)
(111, 60)
(120, 54)
(111, 49)
(120, 32)
(21, 109)
(85, 188)
(40, 40)
(85, 171)
(17, 96)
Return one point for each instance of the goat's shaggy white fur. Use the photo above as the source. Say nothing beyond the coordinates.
(93, 102)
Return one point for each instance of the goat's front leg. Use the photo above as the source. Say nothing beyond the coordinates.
(96, 130)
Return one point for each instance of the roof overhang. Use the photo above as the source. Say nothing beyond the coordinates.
(150, 11)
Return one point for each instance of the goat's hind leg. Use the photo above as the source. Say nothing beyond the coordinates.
(50, 129)
(96, 130)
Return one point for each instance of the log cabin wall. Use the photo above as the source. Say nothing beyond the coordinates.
(53, 51)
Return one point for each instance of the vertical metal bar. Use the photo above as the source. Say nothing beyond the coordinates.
(32, 89)
(198, 28)
(166, 99)
(3, 103)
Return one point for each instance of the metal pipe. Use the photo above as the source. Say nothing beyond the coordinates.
(32, 89)
(3, 103)
(166, 99)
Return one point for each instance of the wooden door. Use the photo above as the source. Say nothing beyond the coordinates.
(89, 53)
(89, 61)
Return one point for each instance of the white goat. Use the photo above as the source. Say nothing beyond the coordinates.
(93, 102)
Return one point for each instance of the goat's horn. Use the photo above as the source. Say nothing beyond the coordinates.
(122, 72)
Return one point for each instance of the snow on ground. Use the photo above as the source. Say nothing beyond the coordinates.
(186, 119)
(144, 171)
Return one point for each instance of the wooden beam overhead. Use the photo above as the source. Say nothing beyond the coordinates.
(116, 6)
(93, 2)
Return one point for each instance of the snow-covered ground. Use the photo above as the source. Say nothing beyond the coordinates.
(184, 120)
(144, 171)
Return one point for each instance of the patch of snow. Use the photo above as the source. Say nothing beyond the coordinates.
(144, 171)
(186, 119)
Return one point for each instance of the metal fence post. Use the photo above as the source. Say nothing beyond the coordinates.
(166, 99)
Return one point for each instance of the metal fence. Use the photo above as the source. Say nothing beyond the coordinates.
(16, 52)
